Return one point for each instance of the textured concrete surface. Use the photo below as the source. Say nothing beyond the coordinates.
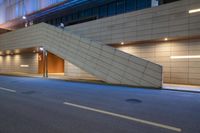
(74, 72)
(37, 107)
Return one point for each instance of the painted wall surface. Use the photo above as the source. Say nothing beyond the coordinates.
(16, 63)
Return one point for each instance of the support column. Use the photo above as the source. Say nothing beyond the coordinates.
(45, 63)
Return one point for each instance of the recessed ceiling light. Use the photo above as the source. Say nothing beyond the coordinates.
(194, 11)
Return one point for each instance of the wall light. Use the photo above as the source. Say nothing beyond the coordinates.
(122, 43)
(194, 11)
(24, 65)
(186, 57)
(166, 39)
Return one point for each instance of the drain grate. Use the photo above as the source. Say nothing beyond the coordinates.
(133, 101)
(28, 92)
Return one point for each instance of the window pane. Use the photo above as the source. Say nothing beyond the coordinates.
(120, 6)
(82, 14)
(88, 12)
(131, 5)
(54, 22)
(70, 17)
(95, 11)
(141, 4)
(75, 16)
(51, 21)
(103, 11)
(148, 3)
(62, 19)
(111, 9)
(58, 21)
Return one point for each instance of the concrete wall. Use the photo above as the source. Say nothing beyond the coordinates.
(181, 71)
(12, 63)
(74, 72)
(104, 62)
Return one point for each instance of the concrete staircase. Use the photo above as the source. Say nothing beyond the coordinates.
(100, 60)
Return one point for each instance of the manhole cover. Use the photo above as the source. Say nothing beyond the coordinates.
(28, 92)
(133, 100)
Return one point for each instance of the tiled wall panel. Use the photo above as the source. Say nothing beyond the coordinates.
(181, 71)
(74, 72)
(12, 63)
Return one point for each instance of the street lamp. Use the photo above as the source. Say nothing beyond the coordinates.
(45, 62)
(24, 17)
(41, 49)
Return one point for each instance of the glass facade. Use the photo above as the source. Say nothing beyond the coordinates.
(11, 9)
(111, 8)
(16, 8)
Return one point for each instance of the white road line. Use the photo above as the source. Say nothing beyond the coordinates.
(9, 90)
(125, 117)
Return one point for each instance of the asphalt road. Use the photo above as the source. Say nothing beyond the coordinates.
(35, 105)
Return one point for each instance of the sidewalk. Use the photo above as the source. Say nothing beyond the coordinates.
(60, 76)
(177, 87)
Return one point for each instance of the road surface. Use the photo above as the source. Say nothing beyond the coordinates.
(36, 105)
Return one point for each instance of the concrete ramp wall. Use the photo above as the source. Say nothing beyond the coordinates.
(102, 61)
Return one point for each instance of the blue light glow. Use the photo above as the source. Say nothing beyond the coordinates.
(11, 9)
(70, 3)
